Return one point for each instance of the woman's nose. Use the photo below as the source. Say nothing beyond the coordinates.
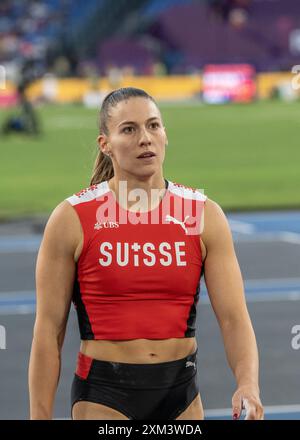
(145, 138)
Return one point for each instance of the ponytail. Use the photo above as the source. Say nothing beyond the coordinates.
(103, 169)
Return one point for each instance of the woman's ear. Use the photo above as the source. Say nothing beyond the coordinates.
(102, 142)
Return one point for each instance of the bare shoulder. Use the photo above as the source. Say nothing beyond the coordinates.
(63, 217)
(213, 209)
(63, 228)
(216, 226)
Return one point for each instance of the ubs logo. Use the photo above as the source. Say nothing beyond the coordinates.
(103, 225)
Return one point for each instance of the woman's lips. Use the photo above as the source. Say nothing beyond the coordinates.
(146, 158)
(146, 154)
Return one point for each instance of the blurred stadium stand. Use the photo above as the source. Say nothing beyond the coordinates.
(182, 35)
(186, 35)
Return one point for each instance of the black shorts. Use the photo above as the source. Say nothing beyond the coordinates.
(160, 391)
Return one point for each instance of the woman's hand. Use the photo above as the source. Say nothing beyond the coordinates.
(247, 397)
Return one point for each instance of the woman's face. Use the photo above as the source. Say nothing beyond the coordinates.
(135, 127)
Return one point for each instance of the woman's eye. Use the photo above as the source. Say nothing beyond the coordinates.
(154, 125)
(128, 130)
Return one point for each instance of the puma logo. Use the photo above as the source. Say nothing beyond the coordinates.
(190, 364)
(169, 218)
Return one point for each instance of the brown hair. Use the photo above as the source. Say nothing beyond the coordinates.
(103, 166)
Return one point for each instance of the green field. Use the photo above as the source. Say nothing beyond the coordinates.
(242, 156)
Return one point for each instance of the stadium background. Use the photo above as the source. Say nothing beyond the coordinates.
(58, 59)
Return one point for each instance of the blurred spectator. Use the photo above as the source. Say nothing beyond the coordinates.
(233, 11)
(128, 71)
(62, 66)
(159, 69)
(25, 120)
(115, 76)
(49, 87)
(238, 18)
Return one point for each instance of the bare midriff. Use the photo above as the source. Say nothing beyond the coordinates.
(139, 351)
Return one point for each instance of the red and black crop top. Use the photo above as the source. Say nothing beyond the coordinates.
(138, 275)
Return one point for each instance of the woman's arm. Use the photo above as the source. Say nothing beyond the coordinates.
(226, 291)
(55, 270)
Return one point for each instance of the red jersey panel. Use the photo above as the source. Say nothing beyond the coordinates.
(138, 275)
